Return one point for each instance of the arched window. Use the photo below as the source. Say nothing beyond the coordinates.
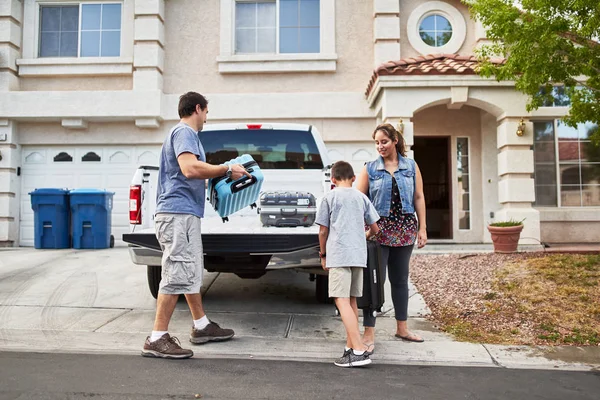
(63, 157)
(91, 157)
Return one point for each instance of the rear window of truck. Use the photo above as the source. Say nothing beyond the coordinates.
(271, 148)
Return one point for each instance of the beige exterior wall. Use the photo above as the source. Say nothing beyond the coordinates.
(191, 58)
(406, 9)
(75, 84)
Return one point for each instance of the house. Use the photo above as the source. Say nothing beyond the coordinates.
(89, 89)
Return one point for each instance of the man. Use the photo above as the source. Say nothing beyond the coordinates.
(179, 208)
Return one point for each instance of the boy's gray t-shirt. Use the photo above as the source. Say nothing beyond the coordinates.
(175, 193)
(344, 211)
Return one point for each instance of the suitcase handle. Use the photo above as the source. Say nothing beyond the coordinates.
(288, 212)
(243, 183)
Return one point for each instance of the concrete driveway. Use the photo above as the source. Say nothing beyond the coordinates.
(89, 301)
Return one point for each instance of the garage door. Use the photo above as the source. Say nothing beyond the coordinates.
(356, 153)
(102, 167)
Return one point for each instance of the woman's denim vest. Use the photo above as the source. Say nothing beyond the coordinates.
(380, 185)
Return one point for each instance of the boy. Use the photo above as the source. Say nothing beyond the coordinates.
(341, 216)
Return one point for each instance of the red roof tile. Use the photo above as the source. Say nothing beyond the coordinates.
(431, 64)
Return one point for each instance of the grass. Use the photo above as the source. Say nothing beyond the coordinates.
(552, 300)
(511, 222)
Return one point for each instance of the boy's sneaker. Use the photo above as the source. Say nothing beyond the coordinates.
(349, 359)
(165, 347)
(212, 333)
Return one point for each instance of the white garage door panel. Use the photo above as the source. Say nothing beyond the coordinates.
(113, 173)
(356, 153)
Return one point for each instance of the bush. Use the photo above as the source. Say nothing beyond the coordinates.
(511, 222)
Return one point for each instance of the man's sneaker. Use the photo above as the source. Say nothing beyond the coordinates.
(349, 359)
(165, 347)
(212, 333)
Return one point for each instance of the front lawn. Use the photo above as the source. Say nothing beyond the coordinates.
(529, 298)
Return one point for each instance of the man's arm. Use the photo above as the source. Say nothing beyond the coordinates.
(192, 168)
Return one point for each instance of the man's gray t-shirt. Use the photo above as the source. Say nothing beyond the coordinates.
(177, 194)
(344, 211)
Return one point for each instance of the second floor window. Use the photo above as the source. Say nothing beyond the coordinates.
(80, 30)
(277, 26)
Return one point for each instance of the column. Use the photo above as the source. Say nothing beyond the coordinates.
(9, 184)
(386, 31)
(11, 18)
(516, 190)
(149, 40)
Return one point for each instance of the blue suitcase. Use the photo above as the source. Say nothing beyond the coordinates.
(228, 196)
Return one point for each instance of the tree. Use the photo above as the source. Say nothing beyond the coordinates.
(545, 43)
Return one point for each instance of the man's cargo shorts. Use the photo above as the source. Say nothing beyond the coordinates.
(182, 260)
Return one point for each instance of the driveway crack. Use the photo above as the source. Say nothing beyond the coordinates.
(288, 328)
(496, 362)
(113, 318)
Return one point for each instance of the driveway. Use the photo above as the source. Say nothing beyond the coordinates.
(97, 301)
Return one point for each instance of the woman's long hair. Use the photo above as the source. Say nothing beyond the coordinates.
(392, 134)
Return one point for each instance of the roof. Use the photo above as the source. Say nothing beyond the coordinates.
(432, 64)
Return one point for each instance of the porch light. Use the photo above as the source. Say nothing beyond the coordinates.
(521, 128)
(400, 127)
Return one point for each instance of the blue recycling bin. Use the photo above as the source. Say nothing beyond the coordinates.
(91, 217)
(51, 218)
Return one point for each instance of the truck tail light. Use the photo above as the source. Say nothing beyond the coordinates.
(135, 204)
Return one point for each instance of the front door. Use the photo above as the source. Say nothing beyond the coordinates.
(432, 155)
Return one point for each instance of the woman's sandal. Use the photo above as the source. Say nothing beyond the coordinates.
(410, 338)
(370, 348)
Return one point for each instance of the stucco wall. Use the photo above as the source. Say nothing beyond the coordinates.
(192, 47)
(407, 7)
(570, 232)
(74, 84)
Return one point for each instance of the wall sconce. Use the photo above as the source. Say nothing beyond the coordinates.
(521, 128)
(400, 127)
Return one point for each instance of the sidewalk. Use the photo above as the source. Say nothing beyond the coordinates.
(98, 302)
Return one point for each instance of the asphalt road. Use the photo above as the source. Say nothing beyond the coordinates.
(81, 376)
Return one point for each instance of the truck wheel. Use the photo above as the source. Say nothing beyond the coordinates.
(322, 289)
(154, 277)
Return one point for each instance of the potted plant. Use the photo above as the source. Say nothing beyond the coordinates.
(505, 235)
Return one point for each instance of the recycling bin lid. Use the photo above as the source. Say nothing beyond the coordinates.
(50, 191)
(90, 191)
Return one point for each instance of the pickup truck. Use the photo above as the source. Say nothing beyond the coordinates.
(292, 157)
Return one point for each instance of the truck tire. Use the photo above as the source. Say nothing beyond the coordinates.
(154, 277)
(322, 289)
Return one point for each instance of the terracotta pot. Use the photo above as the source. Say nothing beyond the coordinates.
(505, 238)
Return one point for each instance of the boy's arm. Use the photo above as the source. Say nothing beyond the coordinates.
(371, 218)
(323, 234)
(373, 230)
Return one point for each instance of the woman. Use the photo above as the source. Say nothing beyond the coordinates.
(395, 187)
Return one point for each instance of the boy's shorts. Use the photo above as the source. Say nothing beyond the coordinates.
(345, 282)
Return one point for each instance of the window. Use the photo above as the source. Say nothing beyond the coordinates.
(82, 30)
(436, 27)
(272, 149)
(279, 26)
(91, 157)
(435, 30)
(464, 200)
(560, 97)
(567, 165)
(63, 157)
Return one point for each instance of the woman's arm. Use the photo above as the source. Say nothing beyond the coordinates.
(419, 200)
(362, 182)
